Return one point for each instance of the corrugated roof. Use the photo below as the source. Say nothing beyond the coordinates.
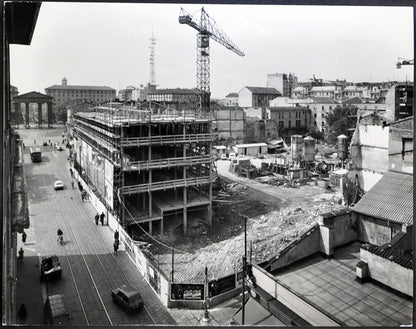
(67, 87)
(264, 90)
(232, 95)
(391, 198)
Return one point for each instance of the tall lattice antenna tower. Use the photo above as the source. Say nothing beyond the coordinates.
(152, 78)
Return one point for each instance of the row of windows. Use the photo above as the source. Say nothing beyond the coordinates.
(289, 124)
(281, 115)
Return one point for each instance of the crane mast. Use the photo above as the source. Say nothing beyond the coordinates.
(207, 28)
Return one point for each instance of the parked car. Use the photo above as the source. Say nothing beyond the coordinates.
(127, 297)
(54, 311)
(50, 268)
(45, 143)
(58, 185)
(59, 147)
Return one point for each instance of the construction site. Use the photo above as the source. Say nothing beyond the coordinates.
(149, 166)
(153, 167)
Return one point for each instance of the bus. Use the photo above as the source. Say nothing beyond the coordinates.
(35, 154)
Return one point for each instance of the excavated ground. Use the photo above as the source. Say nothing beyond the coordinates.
(276, 216)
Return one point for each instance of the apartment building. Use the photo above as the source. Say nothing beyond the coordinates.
(399, 101)
(64, 92)
(253, 97)
(282, 82)
(147, 166)
(176, 97)
(291, 120)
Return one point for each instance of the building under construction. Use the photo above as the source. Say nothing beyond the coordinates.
(149, 167)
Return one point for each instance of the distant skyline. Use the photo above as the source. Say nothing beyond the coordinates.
(108, 44)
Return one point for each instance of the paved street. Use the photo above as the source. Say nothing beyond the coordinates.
(90, 269)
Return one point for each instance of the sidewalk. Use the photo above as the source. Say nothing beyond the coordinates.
(29, 289)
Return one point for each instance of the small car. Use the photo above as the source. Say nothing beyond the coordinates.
(45, 143)
(232, 156)
(58, 185)
(223, 156)
(59, 147)
(50, 268)
(127, 297)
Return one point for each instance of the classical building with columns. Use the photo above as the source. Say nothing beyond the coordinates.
(33, 97)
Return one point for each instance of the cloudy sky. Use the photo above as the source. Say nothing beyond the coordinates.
(108, 44)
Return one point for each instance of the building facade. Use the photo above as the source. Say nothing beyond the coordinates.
(399, 101)
(291, 120)
(148, 166)
(231, 99)
(282, 82)
(19, 21)
(256, 96)
(229, 124)
(64, 92)
(174, 97)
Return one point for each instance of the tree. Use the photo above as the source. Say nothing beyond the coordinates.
(315, 133)
(340, 121)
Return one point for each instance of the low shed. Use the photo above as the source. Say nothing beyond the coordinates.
(251, 149)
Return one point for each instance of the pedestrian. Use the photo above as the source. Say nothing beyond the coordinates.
(23, 145)
(102, 218)
(22, 313)
(71, 172)
(116, 235)
(72, 183)
(24, 236)
(96, 218)
(80, 186)
(82, 196)
(21, 254)
(115, 245)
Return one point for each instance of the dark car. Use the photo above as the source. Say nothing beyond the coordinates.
(50, 268)
(127, 297)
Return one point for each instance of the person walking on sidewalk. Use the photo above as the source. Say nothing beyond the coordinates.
(96, 218)
(102, 218)
(116, 235)
(22, 313)
(115, 245)
(71, 172)
(24, 236)
(21, 254)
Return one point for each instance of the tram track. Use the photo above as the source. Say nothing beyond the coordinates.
(92, 273)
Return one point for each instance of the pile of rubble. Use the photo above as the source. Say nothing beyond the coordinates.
(266, 235)
(275, 179)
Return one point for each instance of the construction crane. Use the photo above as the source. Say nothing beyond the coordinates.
(403, 61)
(207, 28)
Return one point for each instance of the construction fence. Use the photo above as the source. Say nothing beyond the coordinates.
(171, 294)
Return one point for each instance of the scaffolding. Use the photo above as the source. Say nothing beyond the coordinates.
(150, 158)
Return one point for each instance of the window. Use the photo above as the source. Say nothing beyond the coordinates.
(323, 124)
(297, 124)
(281, 124)
(289, 124)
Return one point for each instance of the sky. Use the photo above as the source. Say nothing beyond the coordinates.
(107, 44)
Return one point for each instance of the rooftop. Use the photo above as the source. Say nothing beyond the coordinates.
(73, 87)
(178, 91)
(324, 88)
(391, 198)
(263, 90)
(329, 284)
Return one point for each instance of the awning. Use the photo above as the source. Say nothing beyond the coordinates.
(255, 314)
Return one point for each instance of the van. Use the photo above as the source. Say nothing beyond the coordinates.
(54, 311)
